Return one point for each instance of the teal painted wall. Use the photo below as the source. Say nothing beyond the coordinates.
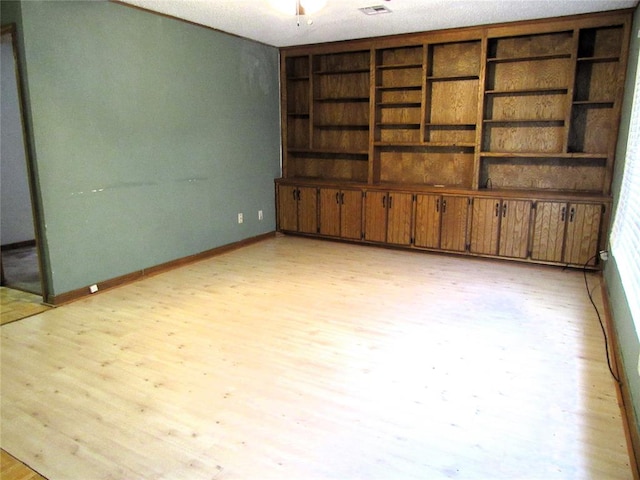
(149, 136)
(623, 322)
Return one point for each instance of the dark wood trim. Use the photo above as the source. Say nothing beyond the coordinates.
(79, 293)
(14, 246)
(624, 396)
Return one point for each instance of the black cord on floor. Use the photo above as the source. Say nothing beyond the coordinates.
(604, 332)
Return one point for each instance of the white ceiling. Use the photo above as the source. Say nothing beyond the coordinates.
(341, 19)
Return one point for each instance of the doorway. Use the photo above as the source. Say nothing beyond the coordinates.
(20, 261)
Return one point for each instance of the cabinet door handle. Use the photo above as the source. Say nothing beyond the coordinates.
(298, 194)
(390, 200)
(342, 198)
(563, 213)
(384, 201)
(294, 194)
(497, 209)
(338, 198)
(571, 213)
(444, 206)
(438, 205)
(504, 210)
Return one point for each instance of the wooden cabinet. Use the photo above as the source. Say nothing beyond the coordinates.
(500, 227)
(388, 217)
(453, 227)
(566, 232)
(441, 222)
(428, 217)
(512, 115)
(298, 208)
(341, 213)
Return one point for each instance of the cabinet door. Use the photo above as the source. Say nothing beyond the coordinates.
(330, 211)
(485, 225)
(375, 228)
(583, 228)
(428, 221)
(308, 210)
(351, 214)
(400, 207)
(453, 233)
(548, 231)
(288, 207)
(514, 228)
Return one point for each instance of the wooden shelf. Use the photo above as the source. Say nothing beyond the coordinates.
(399, 66)
(398, 87)
(341, 72)
(449, 78)
(530, 91)
(399, 104)
(525, 120)
(298, 115)
(298, 79)
(451, 125)
(595, 103)
(361, 154)
(529, 58)
(425, 145)
(600, 59)
(549, 155)
(341, 99)
(341, 126)
(398, 125)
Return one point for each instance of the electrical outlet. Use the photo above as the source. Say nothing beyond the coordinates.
(93, 288)
(260, 216)
(604, 255)
(240, 218)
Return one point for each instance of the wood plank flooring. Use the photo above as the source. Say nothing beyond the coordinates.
(303, 359)
(12, 469)
(16, 304)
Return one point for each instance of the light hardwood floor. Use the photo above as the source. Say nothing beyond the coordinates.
(16, 304)
(304, 359)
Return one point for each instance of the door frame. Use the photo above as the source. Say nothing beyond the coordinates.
(36, 208)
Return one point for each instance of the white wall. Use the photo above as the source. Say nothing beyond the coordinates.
(16, 220)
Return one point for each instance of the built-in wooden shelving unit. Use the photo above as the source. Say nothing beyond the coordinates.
(527, 110)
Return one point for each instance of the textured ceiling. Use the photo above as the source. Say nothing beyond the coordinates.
(341, 19)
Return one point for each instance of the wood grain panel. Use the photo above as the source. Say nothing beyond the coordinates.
(526, 107)
(553, 73)
(540, 137)
(308, 210)
(583, 230)
(485, 225)
(514, 228)
(591, 127)
(548, 231)
(287, 208)
(453, 229)
(375, 226)
(427, 229)
(531, 45)
(455, 59)
(431, 167)
(330, 211)
(454, 101)
(351, 214)
(400, 208)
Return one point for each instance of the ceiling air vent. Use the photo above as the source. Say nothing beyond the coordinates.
(375, 10)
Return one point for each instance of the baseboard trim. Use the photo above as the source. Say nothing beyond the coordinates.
(624, 396)
(73, 295)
